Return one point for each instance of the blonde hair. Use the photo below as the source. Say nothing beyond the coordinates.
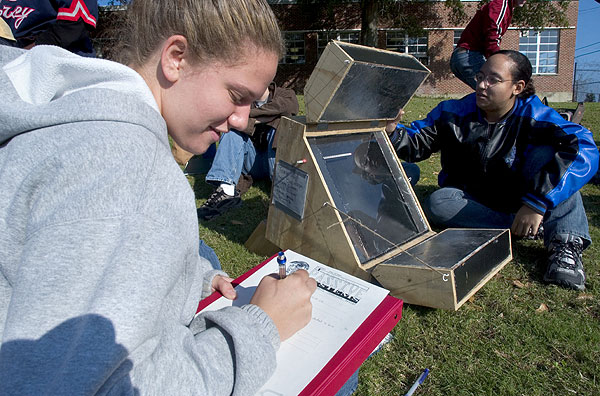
(215, 29)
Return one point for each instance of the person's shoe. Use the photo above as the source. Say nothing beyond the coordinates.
(564, 264)
(218, 203)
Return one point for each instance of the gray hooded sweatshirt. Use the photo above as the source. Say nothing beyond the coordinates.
(99, 269)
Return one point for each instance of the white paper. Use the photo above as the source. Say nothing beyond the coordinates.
(340, 304)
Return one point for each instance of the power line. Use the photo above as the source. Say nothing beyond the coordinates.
(593, 52)
(587, 83)
(589, 9)
(585, 46)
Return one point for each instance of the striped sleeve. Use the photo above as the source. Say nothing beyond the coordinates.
(73, 10)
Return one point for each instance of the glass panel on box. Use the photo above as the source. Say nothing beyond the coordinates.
(371, 193)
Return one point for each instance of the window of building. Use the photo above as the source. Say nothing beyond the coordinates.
(401, 42)
(294, 48)
(346, 36)
(541, 47)
(457, 34)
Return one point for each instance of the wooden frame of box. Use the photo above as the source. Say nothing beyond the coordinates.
(368, 221)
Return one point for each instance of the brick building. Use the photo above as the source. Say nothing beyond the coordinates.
(551, 51)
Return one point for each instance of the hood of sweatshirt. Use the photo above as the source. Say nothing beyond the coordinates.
(48, 86)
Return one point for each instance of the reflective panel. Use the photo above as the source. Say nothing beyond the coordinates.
(369, 190)
(373, 92)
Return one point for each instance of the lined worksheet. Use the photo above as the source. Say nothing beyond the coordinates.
(340, 304)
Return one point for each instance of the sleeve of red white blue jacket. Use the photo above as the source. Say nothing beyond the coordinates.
(73, 20)
(74, 10)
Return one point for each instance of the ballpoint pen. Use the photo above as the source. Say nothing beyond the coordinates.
(281, 260)
(418, 382)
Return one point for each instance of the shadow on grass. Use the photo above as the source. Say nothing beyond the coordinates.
(421, 311)
(531, 257)
(591, 201)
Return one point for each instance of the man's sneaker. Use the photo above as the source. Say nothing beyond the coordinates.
(218, 203)
(564, 264)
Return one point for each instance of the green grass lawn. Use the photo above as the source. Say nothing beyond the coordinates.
(516, 336)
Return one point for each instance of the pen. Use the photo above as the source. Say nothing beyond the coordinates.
(281, 260)
(418, 382)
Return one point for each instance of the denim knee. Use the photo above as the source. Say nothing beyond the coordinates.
(442, 205)
(465, 65)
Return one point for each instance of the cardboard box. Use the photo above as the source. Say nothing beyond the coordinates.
(341, 197)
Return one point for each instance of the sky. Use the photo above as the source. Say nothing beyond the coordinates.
(587, 49)
(587, 34)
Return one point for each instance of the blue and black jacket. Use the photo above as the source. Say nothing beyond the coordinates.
(64, 23)
(487, 160)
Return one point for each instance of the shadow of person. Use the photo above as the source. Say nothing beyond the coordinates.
(79, 356)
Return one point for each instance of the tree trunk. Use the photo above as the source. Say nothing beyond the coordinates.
(369, 22)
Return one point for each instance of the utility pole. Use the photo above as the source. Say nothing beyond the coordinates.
(574, 99)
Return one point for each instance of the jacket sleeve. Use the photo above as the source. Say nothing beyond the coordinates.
(108, 282)
(93, 320)
(75, 18)
(491, 24)
(573, 163)
(417, 141)
(283, 103)
(63, 33)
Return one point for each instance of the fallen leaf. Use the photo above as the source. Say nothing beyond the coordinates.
(542, 308)
(518, 283)
(236, 222)
(585, 297)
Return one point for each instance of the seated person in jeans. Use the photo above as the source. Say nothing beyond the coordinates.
(248, 152)
(481, 38)
(508, 161)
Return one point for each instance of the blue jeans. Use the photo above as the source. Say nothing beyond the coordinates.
(465, 64)
(236, 154)
(452, 207)
(206, 251)
(350, 386)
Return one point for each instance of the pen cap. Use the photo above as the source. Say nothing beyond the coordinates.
(281, 258)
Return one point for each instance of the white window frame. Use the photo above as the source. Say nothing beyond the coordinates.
(295, 48)
(401, 42)
(347, 36)
(543, 46)
(457, 34)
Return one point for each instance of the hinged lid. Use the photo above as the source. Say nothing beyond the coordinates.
(356, 83)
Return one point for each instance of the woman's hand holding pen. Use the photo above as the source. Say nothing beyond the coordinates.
(286, 301)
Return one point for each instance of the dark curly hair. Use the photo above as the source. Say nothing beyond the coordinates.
(521, 70)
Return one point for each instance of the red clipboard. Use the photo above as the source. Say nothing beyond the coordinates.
(353, 353)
